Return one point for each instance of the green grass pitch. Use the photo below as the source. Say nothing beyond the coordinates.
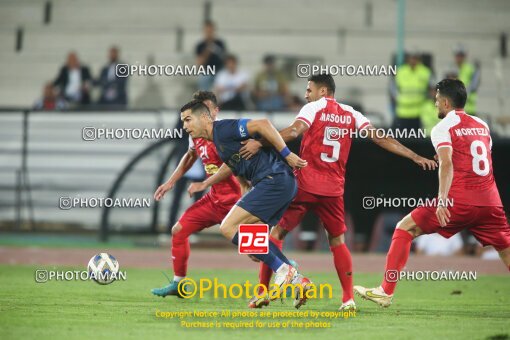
(126, 309)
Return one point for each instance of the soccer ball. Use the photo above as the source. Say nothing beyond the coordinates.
(103, 268)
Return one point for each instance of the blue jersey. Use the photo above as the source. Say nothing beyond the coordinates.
(227, 137)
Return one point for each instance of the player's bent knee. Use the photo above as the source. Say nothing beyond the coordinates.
(228, 230)
(406, 223)
(336, 241)
(176, 228)
(278, 232)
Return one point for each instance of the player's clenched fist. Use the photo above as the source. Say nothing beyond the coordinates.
(162, 189)
(196, 187)
(295, 162)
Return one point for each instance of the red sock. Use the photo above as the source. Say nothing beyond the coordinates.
(396, 259)
(265, 272)
(343, 265)
(180, 254)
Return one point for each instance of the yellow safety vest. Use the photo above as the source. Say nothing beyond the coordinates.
(466, 72)
(428, 116)
(412, 86)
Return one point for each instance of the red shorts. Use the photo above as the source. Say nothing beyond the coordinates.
(488, 224)
(329, 209)
(202, 214)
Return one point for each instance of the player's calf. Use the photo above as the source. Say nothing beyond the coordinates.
(505, 257)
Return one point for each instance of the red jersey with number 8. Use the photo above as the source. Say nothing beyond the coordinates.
(469, 137)
(326, 144)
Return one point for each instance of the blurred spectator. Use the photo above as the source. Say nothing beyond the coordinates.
(210, 52)
(437, 245)
(296, 103)
(230, 85)
(469, 74)
(429, 114)
(74, 81)
(113, 88)
(49, 100)
(410, 89)
(271, 88)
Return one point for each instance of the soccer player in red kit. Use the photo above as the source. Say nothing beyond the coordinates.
(327, 127)
(463, 145)
(206, 212)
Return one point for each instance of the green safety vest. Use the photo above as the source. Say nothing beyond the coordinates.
(412, 88)
(466, 72)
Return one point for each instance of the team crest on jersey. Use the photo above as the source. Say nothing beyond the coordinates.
(211, 169)
(234, 160)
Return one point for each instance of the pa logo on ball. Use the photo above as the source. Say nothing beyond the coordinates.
(103, 268)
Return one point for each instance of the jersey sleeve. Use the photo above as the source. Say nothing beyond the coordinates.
(191, 144)
(361, 121)
(440, 137)
(234, 129)
(307, 114)
(309, 111)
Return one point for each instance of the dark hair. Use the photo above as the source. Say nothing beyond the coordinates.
(269, 59)
(205, 95)
(324, 79)
(209, 23)
(454, 90)
(196, 106)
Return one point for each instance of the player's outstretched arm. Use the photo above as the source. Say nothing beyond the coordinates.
(184, 165)
(222, 174)
(445, 182)
(264, 128)
(393, 146)
(251, 146)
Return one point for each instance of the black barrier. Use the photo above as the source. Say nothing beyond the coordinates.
(374, 172)
(104, 229)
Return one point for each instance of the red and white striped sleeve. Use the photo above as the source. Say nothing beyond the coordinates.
(440, 136)
(361, 121)
(309, 111)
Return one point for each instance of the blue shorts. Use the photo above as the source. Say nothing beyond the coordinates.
(270, 197)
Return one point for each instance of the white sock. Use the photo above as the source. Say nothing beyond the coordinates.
(284, 266)
(178, 278)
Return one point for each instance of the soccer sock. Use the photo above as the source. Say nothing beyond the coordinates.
(396, 259)
(275, 246)
(270, 258)
(265, 272)
(343, 264)
(178, 278)
(180, 254)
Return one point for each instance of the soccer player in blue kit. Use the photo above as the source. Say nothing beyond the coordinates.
(270, 174)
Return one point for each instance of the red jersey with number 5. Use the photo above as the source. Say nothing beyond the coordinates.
(226, 191)
(326, 144)
(469, 137)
